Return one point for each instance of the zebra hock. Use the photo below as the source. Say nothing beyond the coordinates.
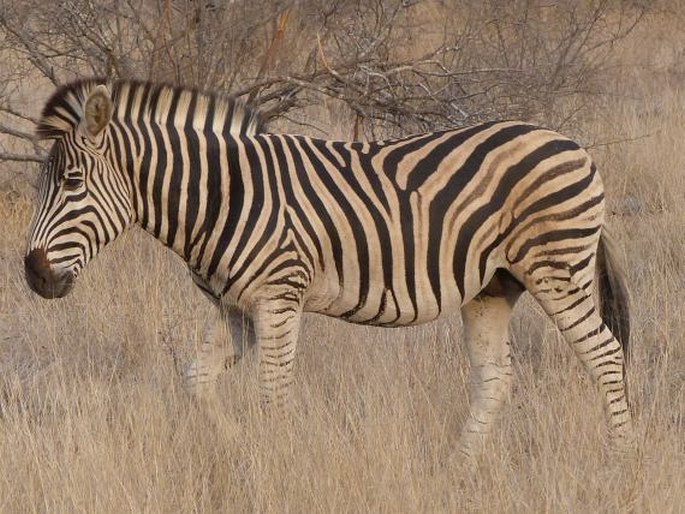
(389, 233)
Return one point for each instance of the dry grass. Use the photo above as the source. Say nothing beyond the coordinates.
(93, 417)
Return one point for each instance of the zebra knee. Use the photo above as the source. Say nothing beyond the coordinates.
(198, 380)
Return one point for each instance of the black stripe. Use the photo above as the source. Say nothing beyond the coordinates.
(175, 142)
(193, 169)
(581, 264)
(213, 183)
(580, 320)
(601, 345)
(159, 174)
(122, 150)
(130, 122)
(145, 159)
(551, 236)
(236, 198)
(575, 304)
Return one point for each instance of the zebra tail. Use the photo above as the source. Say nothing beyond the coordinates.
(613, 293)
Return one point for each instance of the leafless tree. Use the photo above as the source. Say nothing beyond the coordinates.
(395, 65)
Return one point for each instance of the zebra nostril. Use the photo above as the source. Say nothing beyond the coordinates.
(37, 266)
(41, 278)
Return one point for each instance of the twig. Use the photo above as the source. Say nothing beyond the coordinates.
(8, 156)
(281, 24)
(618, 141)
(20, 115)
(35, 56)
(20, 134)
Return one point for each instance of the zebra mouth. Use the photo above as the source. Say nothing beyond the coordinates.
(42, 279)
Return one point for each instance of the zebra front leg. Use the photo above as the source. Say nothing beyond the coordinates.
(277, 324)
(223, 343)
(486, 326)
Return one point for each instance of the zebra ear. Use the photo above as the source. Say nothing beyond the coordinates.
(97, 110)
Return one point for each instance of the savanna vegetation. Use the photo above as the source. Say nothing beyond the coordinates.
(93, 415)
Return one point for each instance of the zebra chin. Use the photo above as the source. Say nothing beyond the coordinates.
(43, 279)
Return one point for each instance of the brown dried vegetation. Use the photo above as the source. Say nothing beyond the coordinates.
(92, 414)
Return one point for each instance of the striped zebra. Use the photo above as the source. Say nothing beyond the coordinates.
(389, 233)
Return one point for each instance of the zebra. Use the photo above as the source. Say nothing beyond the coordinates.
(389, 233)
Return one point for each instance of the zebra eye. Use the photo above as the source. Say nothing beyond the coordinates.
(72, 181)
(72, 184)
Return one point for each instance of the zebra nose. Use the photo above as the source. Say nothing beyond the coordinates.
(42, 279)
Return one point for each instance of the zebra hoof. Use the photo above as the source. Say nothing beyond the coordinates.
(623, 443)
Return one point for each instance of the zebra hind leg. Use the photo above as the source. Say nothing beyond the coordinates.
(570, 303)
(486, 326)
(223, 342)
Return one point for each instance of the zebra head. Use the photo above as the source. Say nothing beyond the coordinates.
(83, 203)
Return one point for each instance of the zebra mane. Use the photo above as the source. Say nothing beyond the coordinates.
(149, 101)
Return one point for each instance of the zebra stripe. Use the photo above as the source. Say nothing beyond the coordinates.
(389, 233)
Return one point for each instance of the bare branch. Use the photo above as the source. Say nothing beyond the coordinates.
(20, 134)
(9, 110)
(380, 60)
(8, 156)
(37, 58)
(619, 141)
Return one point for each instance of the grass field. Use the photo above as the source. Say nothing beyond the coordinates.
(93, 417)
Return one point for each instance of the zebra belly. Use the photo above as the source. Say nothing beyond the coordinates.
(382, 306)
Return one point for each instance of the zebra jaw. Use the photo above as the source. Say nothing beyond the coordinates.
(43, 279)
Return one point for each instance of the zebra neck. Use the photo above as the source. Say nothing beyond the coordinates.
(179, 190)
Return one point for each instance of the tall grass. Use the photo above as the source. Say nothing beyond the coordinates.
(93, 417)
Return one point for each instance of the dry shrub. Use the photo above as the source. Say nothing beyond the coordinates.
(395, 66)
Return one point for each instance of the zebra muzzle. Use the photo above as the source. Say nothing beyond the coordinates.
(42, 278)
